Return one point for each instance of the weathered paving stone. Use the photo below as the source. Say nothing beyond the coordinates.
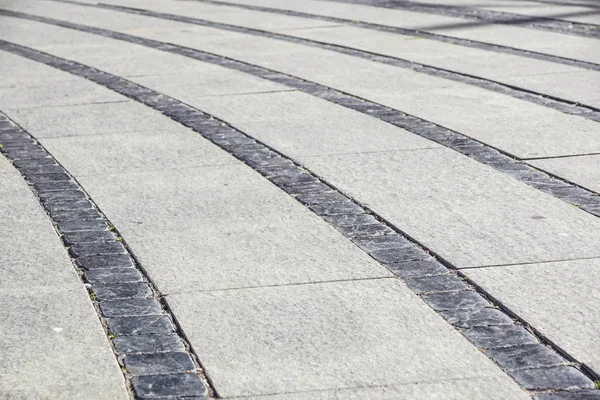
(96, 248)
(107, 276)
(157, 386)
(112, 261)
(62, 195)
(85, 225)
(46, 169)
(365, 230)
(68, 204)
(438, 283)
(74, 215)
(308, 187)
(499, 336)
(148, 344)
(527, 356)
(351, 219)
(130, 307)
(45, 178)
(150, 325)
(291, 180)
(455, 300)
(126, 291)
(415, 269)
(468, 318)
(388, 256)
(161, 363)
(71, 238)
(322, 198)
(55, 186)
(570, 395)
(336, 208)
(561, 377)
(18, 154)
(372, 243)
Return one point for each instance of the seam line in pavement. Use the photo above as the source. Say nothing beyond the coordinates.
(530, 263)
(411, 32)
(541, 99)
(154, 355)
(486, 323)
(499, 160)
(489, 16)
(567, 156)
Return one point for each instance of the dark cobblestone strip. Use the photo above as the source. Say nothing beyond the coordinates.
(565, 106)
(416, 33)
(155, 357)
(488, 16)
(569, 192)
(529, 358)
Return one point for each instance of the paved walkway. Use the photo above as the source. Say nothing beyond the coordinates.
(268, 199)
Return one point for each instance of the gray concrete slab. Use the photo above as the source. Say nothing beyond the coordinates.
(528, 39)
(561, 302)
(329, 336)
(470, 214)
(582, 170)
(516, 126)
(223, 227)
(52, 343)
(92, 119)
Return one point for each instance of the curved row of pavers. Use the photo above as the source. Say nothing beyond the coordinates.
(504, 339)
(489, 16)
(586, 199)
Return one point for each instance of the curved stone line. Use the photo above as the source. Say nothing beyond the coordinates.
(483, 321)
(155, 356)
(410, 32)
(489, 16)
(555, 103)
(556, 186)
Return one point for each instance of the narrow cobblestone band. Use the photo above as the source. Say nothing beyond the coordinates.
(155, 357)
(534, 362)
(410, 32)
(569, 192)
(562, 105)
(489, 16)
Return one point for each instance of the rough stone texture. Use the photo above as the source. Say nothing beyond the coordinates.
(148, 344)
(562, 301)
(324, 336)
(151, 325)
(467, 318)
(527, 356)
(562, 377)
(155, 386)
(155, 364)
(126, 291)
(130, 307)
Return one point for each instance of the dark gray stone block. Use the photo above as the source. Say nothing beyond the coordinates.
(130, 307)
(158, 386)
(126, 291)
(307, 187)
(562, 377)
(336, 209)
(148, 344)
(62, 195)
(527, 356)
(351, 219)
(455, 300)
(570, 395)
(74, 215)
(150, 325)
(112, 261)
(371, 243)
(388, 256)
(365, 230)
(438, 283)
(414, 269)
(161, 363)
(292, 180)
(46, 169)
(70, 238)
(45, 178)
(107, 276)
(96, 248)
(469, 318)
(68, 204)
(55, 186)
(322, 198)
(499, 336)
(35, 163)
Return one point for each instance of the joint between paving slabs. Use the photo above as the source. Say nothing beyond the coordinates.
(401, 256)
(118, 286)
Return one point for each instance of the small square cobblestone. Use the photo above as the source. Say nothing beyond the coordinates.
(173, 385)
(160, 363)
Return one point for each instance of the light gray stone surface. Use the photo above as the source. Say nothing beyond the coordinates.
(582, 170)
(470, 214)
(223, 227)
(52, 344)
(561, 302)
(329, 336)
